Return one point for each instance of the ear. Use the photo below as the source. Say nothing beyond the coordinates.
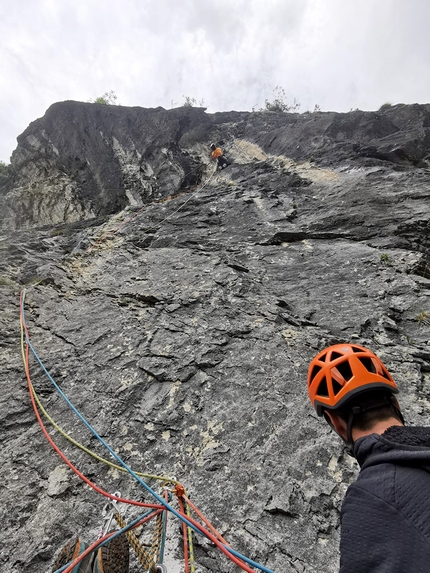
(396, 405)
(337, 423)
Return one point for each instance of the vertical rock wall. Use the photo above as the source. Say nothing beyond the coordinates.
(182, 331)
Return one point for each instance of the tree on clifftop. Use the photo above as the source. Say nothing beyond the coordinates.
(108, 98)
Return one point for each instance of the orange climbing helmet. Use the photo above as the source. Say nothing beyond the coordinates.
(342, 371)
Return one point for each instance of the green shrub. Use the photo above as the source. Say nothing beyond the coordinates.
(280, 103)
(191, 102)
(108, 98)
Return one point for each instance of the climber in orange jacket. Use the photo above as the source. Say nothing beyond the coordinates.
(217, 155)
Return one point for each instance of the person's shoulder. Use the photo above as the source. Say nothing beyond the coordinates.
(409, 436)
(375, 483)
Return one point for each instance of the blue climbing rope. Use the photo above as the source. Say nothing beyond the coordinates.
(160, 500)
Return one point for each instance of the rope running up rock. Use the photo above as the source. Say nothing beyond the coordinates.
(162, 505)
(157, 201)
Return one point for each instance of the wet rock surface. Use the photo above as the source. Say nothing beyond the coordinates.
(182, 331)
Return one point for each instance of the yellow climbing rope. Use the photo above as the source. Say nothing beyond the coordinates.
(164, 479)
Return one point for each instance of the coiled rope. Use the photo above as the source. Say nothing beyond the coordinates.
(107, 539)
(148, 559)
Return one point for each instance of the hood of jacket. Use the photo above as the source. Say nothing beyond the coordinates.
(397, 445)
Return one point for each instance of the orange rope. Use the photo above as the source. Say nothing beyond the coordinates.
(205, 521)
(185, 536)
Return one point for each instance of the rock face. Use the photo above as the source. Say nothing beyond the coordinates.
(84, 160)
(182, 330)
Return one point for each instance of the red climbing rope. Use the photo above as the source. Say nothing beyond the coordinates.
(179, 489)
(59, 451)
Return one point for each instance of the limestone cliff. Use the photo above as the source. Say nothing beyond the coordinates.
(182, 329)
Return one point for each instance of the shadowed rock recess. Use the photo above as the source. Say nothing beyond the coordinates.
(178, 309)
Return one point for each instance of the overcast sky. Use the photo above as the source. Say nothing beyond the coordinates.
(339, 54)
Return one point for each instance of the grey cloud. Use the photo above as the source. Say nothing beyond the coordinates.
(337, 53)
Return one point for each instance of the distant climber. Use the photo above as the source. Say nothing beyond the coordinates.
(385, 516)
(217, 155)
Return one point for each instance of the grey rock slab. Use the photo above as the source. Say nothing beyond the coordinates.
(182, 330)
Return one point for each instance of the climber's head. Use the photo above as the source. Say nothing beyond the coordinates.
(213, 146)
(349, 382)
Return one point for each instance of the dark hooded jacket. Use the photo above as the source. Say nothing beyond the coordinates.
(385, 518)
